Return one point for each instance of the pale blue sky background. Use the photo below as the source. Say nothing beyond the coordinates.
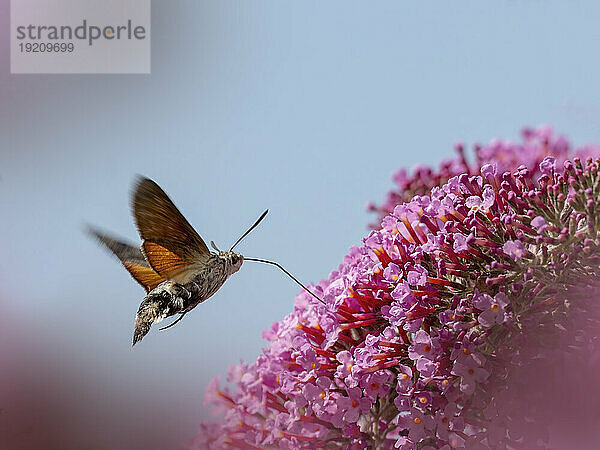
(302, 107)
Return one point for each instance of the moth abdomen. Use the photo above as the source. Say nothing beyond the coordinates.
(167, 299)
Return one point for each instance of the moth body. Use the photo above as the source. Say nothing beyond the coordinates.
(170, 298)
(210, 277)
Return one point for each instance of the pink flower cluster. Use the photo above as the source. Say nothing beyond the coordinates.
(506, 155)
(426, 322)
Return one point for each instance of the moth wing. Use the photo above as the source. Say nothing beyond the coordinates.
(144, 275)
(132, 259)
(171, 260)
(159, 220)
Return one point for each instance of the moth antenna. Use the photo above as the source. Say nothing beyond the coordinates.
(266, 261)
(262, 216)
(170, 325)
(213, 245)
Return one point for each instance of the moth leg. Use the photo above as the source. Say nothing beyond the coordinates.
(178, 319)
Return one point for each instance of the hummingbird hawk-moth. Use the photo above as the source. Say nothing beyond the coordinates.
(173, 263)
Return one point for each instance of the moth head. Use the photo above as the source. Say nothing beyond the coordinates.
(235, 261)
